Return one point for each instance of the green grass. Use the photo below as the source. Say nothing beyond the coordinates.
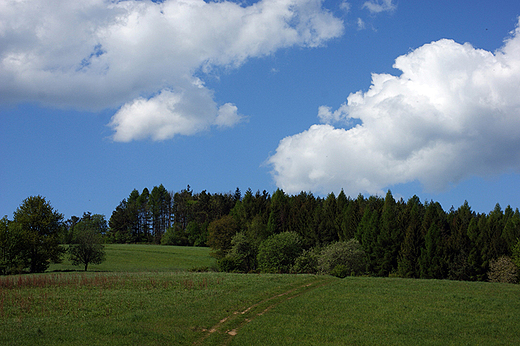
(141, 296)
(140, 258)
(132, 308)
(383, 311)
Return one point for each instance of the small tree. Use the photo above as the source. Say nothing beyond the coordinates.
(10, 247)
(241, 257)
(86, 246)
(307, 262)
(278, 252)
(343, 259)
(220, 233)
(503, 269)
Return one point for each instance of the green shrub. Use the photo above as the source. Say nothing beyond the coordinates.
(228, 264)
(340, 271)
(349, 256)
(503, 269)
(279, 252)
(241, 257)
(174, 236)
(201, 269)
(307, 262)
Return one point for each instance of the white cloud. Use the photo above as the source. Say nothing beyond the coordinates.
(454, 112)
(228, 116)
(181, 112)
(377, 6)
(345, 6)
(95, 54)
(360, 24)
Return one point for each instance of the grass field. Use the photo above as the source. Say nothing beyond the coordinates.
(139, 258)
(173, 307)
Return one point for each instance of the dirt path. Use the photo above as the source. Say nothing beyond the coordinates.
(229, 326)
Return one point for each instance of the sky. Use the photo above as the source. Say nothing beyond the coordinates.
(101, 97)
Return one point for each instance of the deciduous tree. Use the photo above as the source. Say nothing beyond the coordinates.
(87, 247)
(38, 226)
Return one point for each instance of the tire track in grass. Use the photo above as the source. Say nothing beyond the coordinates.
(230, 325)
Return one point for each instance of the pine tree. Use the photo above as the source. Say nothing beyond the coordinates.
(389, 239)
(407, 266)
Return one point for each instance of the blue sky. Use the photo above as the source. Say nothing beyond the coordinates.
(100, 97)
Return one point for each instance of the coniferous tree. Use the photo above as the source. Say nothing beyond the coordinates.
(387, 246)
(433, 259)
(144, 217)
(411, 248)
(349, 220)
(328, 229)
(278, 215)
(458, 242)
(132, 211)
(121, 224)
(367, 233)
(511, 232)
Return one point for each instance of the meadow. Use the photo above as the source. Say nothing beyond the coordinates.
(141, 258)
(146, 296)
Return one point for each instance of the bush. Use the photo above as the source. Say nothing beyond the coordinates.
(279, 252)
(503, 269)
(307, 262)
(201, 269)
(228, 264)
(174, 236)
(342, 257)
(241, 257)
(340, 271)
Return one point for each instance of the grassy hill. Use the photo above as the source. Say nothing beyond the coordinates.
(139, 258)
(152, 302)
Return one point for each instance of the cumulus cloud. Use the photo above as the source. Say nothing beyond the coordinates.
(143, 55)
(454, 112)
(379, 6)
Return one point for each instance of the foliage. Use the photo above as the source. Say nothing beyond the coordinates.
(241, 257)
(307, 262)
(174, 236)
(504, 270)
(279, 252)
(10, 248)
(343, 257)
(515, 257)
(220, 233)
(405, 238)
(37, 227)
(86, 247)
(341, 271)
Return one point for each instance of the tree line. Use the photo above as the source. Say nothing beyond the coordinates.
(402, 238)
(35, 237)
(395, 237)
